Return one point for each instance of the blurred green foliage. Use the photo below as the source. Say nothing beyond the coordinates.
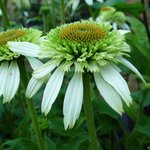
(128, 132)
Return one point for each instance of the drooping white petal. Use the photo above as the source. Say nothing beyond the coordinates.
(24, 48)
(132, 68)
(89, 2)
(13, 80)
(3, 76)
(43, 70)
(124, 31)
(34, 62)
(75, 4)
(109, 94)
(33, 86)
(115, 67)
(73, 100)
(52, 89)
(113, 77)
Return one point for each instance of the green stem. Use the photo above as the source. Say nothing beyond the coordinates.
(89, 111)
(35, 124)
(44, 24)
(31, 107)
(53, 13)
(6, 23)
(62, 12)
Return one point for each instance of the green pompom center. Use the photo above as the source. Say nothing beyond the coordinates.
(82, 32)
(11, 35)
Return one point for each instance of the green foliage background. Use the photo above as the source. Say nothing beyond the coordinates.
(128, 132)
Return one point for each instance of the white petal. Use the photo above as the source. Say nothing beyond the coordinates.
(12, 84)
(89, 2)
(34, 62)
(114, 25)
(73, 101)
(43, 70)
(131, 67)
(24, 48)
(126, 26)
(115, 67)
(3, 76)
(100, 1)
(113, 77)
(75, 4)
(52, 89)
(109, 94)
(33, 86)
(124, 31)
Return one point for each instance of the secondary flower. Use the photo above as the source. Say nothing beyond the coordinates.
(9, 70)
(78, 47)
(75, 3)
(116, 18)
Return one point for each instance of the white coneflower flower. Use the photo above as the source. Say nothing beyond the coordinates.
(75, 3)
(116, 18)
(78, 47)
(9, 70)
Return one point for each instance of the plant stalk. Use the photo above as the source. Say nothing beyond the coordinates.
(31, 107)
(146, 21)
(89, 111)
(6, 23)
(53, 13)
(62, 12)
(44, 24)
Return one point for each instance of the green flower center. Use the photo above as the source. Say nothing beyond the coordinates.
(85, 45)
(108, 8)
(82, 32)
(11, 35)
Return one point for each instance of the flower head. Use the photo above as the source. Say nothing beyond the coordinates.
(78, 47)
(116, 18)
(85, 45)
(9, 70)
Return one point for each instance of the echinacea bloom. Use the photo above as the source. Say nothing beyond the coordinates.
(75, 3)
(116, 18)
(84, 47)
(9, 70)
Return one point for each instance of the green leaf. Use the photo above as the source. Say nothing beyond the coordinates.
(106, 125)
(103, 108)
(147, 99)
(145, 129)
(134, 8)
(138, 37)
(50, 145)
(74, 143)
(20, 144)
